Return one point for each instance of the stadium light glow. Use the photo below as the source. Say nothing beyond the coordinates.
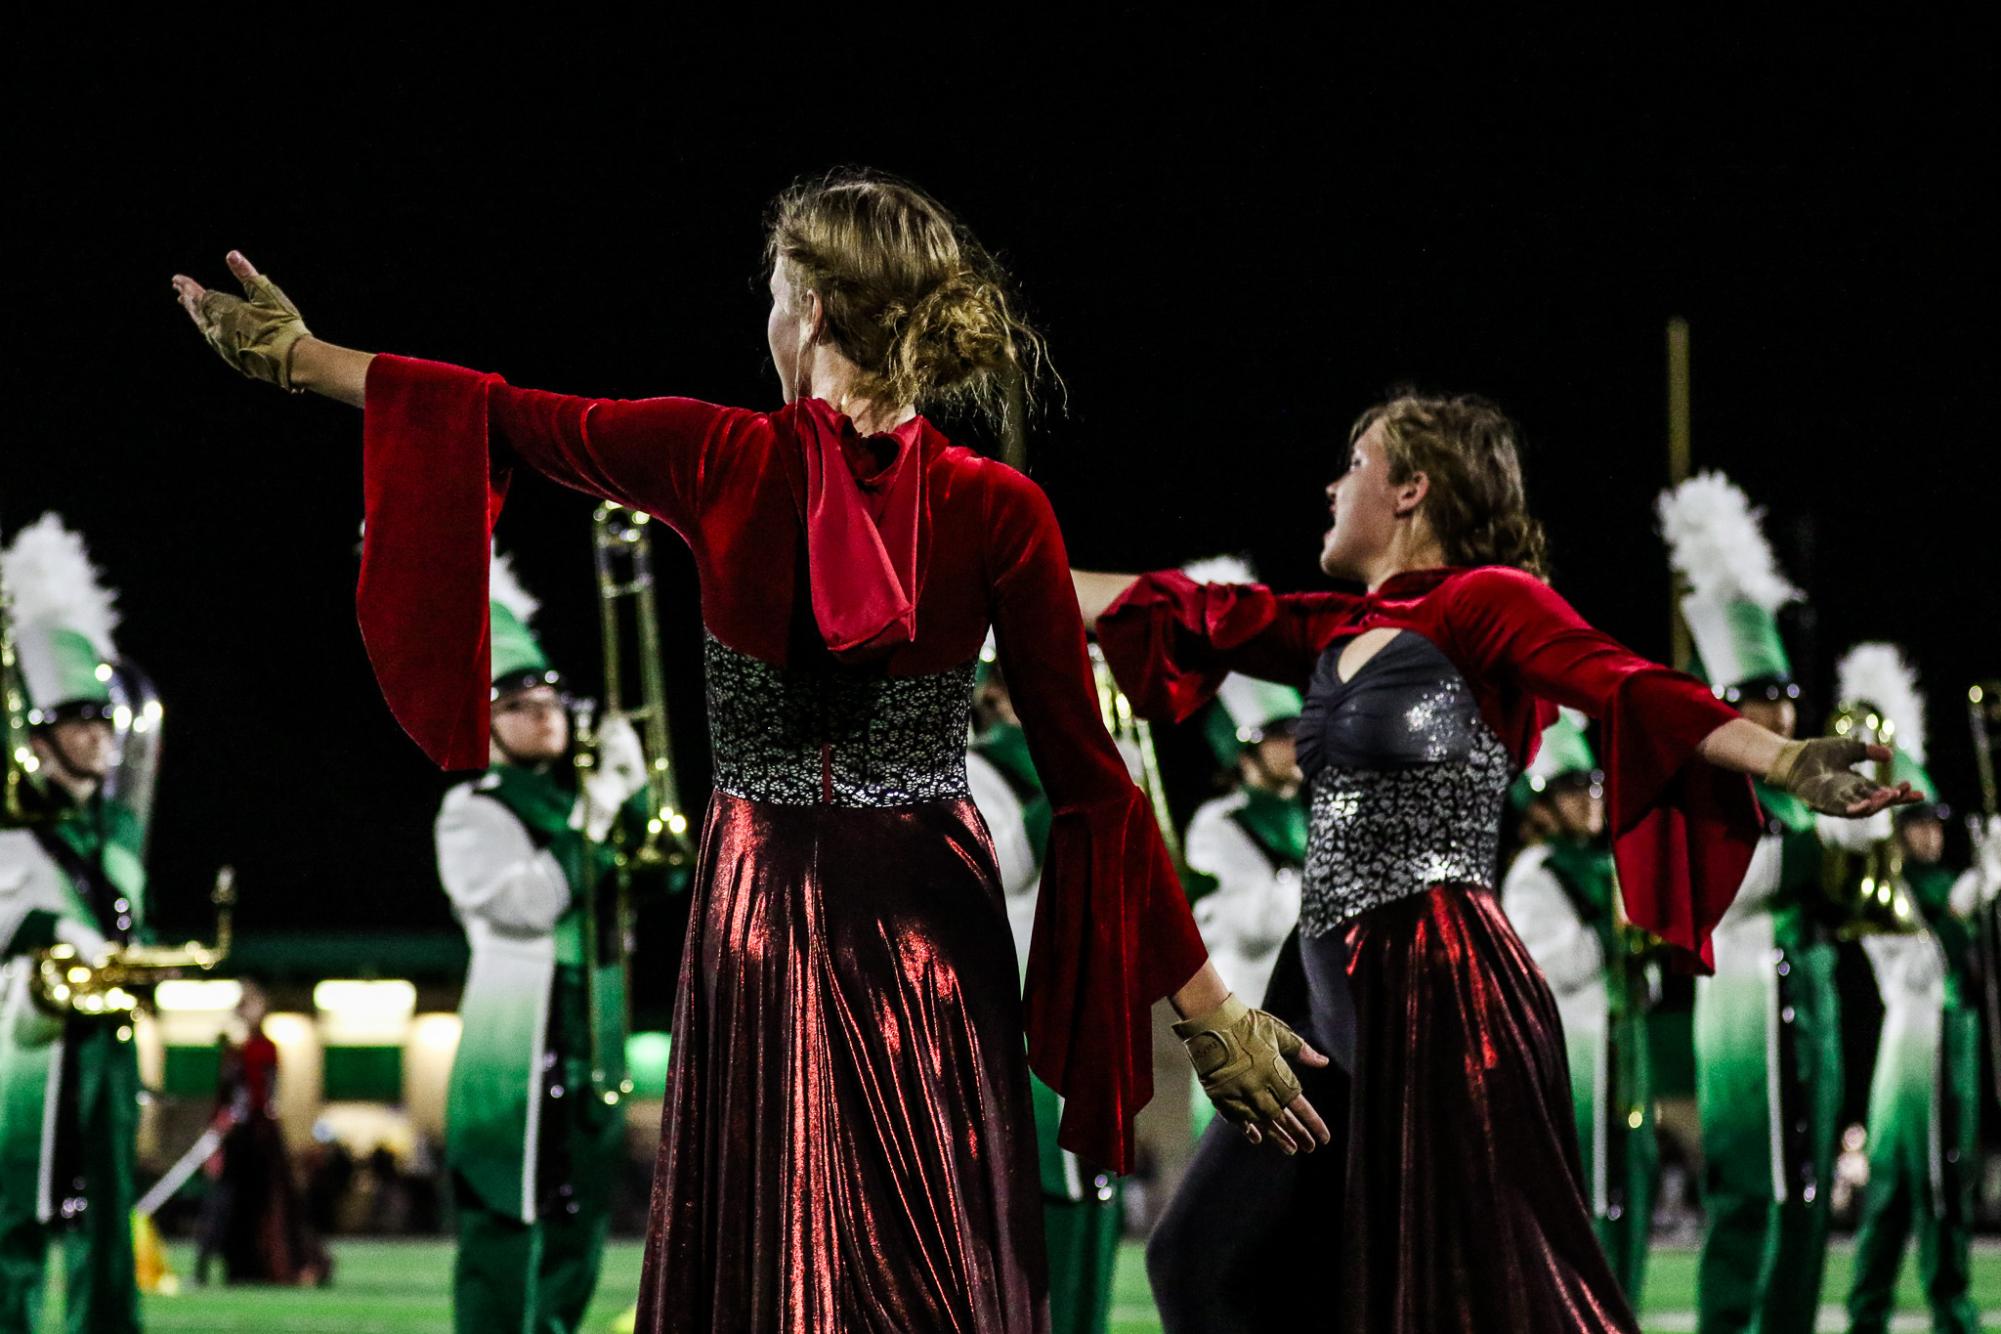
(191, 995)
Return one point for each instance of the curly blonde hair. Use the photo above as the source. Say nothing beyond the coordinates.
(1469, 451)
(910, 297)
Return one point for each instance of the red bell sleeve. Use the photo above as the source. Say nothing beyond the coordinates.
(1113, 933)
(437, 444)
(1682, 829)
(1171, 641)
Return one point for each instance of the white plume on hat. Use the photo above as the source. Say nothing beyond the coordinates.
(1716, 540)
(1220, 570)
(1877, 673)
(50, 581)
(503, 587)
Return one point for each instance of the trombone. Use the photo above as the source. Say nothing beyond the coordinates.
(1983, 715)
(1134, 738)
(628, 620)
(621, 543)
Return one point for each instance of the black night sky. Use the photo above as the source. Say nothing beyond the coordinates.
(1235, 240)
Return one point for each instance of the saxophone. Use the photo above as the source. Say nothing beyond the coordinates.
(115, 981)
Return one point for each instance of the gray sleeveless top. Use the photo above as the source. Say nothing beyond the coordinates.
(1406, 782)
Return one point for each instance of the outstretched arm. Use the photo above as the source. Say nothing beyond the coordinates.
(1816, 770)
(1097, 591)
(262, 334)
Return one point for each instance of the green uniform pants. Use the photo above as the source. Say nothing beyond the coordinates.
(511, 1277)
(1767, 1166)
(1623, 1218)
(1903, 1195)
(1082, 1220)
(1083, 1241)
(534, 1278)
(101, 1290)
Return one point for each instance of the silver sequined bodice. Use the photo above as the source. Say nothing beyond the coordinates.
(832, 736)
(1406, 782)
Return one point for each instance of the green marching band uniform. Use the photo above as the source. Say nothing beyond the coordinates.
(1559, 895)
(1246, 850)
(1768, 1022)
(1081, 1208)
(1924, 1098)
(533, 1141)
(69, 1087)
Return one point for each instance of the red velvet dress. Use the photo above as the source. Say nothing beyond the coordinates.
(847, 1142)
(1462, 1206)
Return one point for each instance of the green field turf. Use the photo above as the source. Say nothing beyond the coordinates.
(401, 1287)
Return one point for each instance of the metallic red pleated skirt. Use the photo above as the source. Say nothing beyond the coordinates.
(847, 1144)
(1465, 1205)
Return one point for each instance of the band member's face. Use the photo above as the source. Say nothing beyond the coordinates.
(1274, 763)
(85, 747)
(1923, 840)
(992, 704)
(1581, 814)
(1363, 505)
(1779, 715)
(532, 724)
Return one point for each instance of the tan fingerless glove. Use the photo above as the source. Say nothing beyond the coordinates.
(254, 335)
(1240, 1055)
(1818, 772)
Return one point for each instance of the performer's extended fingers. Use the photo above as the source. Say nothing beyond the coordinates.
(1309, 1055)
(1279, 1135)
(1309, 1119)
(1880, 754)
(244, 270)
(189, 293)
(1882, 797)
(1296, 1131)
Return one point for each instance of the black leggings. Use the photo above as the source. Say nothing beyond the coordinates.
(1248, 1225)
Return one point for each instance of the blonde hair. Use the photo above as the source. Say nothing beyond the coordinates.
(910, 297)
(1469, 451)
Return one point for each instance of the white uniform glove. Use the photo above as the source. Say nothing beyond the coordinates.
(85, 939)
(619, 776)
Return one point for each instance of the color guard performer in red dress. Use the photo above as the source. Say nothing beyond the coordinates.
(847, 1143)
(1462, 1206)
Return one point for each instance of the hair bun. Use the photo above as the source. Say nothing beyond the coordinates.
(910, 296)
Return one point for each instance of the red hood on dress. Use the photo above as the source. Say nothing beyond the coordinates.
(863, 527)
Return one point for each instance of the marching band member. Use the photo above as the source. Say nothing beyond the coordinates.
(1768, 1022)
(1924, 1099)
(69, 1087)
(1081, 1206)
(1561, 893)
(532, 1145)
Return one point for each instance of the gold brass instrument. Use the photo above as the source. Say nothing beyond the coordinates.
(1134, 738)
(1867, 891)
(65, 983)
(1983, 715)
(628, 621)
(620, 539)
